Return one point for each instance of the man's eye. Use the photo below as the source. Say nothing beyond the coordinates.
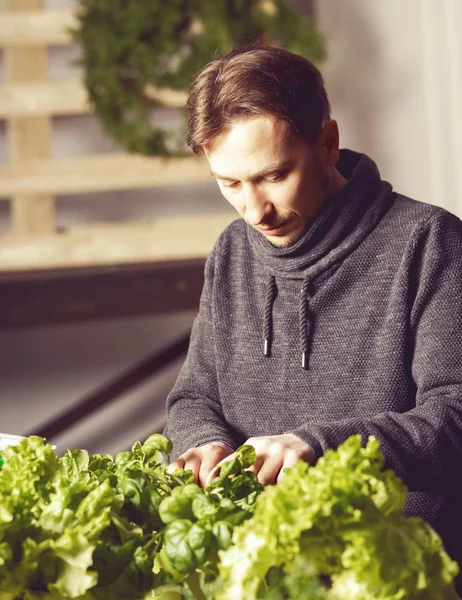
(276, 178)
(230, 184)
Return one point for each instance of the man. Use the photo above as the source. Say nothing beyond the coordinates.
(333, 307)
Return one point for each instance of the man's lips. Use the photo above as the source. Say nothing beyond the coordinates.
(272, 229)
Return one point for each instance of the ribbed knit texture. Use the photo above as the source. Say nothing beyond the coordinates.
(373, 295)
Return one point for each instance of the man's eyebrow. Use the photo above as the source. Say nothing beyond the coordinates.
(275, 168)
(218, 176)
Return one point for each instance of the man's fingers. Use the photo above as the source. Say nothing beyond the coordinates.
(201, 460)
(212, 461)
(271, 465)
(281, 475)
(290, 460)
(257, 465)
(215, 470)
(205, 462)
(275, 453)
(207, 472)
(193, 463)
(190, 463)
(176, 464)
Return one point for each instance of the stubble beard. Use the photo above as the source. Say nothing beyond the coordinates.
(288, 241)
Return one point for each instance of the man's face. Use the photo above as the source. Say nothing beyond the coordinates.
(273, 178)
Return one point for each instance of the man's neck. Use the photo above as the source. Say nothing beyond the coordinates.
(338, 182)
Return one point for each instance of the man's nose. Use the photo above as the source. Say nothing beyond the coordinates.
(257, 206)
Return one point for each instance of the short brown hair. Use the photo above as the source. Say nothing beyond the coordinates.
(253, 81)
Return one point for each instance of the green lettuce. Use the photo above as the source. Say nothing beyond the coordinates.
(104, 528)
(93, 527)
(199, 522)
(82, 526)
(336, 531)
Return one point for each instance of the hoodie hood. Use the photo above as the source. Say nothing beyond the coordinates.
(341, 226)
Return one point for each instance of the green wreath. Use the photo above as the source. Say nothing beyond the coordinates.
(131, 47)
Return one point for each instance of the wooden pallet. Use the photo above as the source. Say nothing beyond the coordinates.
(32, 178)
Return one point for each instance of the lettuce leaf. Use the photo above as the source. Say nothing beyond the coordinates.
(95, 527)
(341, 523)
(82, 526)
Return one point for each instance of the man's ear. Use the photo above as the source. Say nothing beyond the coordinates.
(328, 141)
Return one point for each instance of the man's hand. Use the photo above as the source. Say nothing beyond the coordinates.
(202, 460)
(276, 453)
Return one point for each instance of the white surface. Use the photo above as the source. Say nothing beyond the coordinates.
(7, 439)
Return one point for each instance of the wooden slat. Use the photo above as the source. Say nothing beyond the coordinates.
(67, 97)
(104, 244)
(36, 28)
(112, 171)
(47, 98)
(26, 65)
(29, 138)
(31, 214)
(23, 5)
(165, 96)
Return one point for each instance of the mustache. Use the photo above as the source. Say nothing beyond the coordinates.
(274, 224)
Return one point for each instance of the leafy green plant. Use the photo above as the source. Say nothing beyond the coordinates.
(336, 531)
(95, 527)
(130, 46)
(98, 527)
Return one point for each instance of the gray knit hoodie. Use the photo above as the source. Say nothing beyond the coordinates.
(362, 319)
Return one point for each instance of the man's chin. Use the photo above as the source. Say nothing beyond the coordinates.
(284, 241)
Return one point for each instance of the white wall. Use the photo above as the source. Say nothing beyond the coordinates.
(394, 78)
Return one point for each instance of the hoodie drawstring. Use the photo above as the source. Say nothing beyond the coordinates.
(305, 323)
(268, 317)
(304, 320)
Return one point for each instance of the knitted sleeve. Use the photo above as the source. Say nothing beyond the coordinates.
(423, 445)
(194, 412)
